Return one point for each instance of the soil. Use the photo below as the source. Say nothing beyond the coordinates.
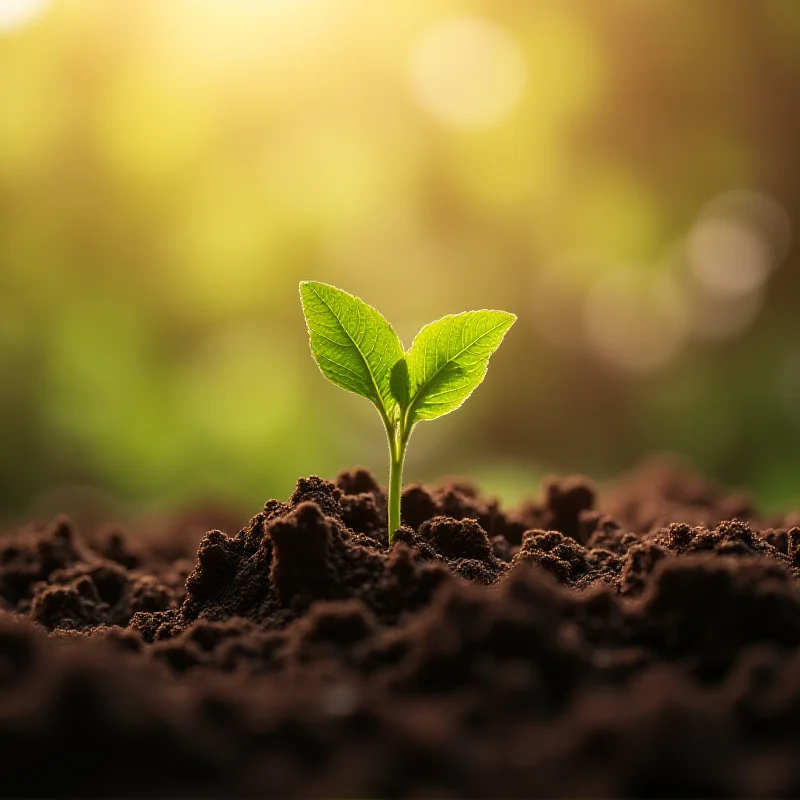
(639, 642)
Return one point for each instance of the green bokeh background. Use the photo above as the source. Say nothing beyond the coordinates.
(170, 169)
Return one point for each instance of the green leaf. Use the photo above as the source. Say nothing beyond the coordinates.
(448, 360)
(353, 345)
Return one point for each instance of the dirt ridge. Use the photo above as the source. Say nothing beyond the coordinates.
(639, 641)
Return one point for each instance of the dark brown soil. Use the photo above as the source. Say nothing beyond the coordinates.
(645, 642)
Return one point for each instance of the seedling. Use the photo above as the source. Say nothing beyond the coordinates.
(358, 350)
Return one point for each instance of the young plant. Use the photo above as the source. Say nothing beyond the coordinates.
(358, 350)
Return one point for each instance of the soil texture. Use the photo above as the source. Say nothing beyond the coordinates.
(639, 642)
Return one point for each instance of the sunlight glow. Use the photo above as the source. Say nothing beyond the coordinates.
(16, 14)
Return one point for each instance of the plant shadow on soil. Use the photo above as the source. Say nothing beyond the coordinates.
(640, 642)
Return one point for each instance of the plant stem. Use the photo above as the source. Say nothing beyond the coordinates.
(397, 447)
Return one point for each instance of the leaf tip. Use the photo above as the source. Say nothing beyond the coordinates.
(508, 320)
(304, 286)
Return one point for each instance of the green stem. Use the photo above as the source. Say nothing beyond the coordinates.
(398, 456)
(398, 434)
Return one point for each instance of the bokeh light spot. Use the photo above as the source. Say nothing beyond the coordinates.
(739, 239)
(728, 258)
(468, 72)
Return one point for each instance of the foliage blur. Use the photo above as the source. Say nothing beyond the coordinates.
(623, 175)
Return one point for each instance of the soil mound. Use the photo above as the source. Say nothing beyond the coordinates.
(643, 641)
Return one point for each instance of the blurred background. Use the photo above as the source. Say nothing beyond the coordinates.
(625, 176)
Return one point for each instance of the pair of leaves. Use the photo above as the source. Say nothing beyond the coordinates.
(358, 350)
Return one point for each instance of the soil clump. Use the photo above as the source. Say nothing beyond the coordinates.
(640, 641)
